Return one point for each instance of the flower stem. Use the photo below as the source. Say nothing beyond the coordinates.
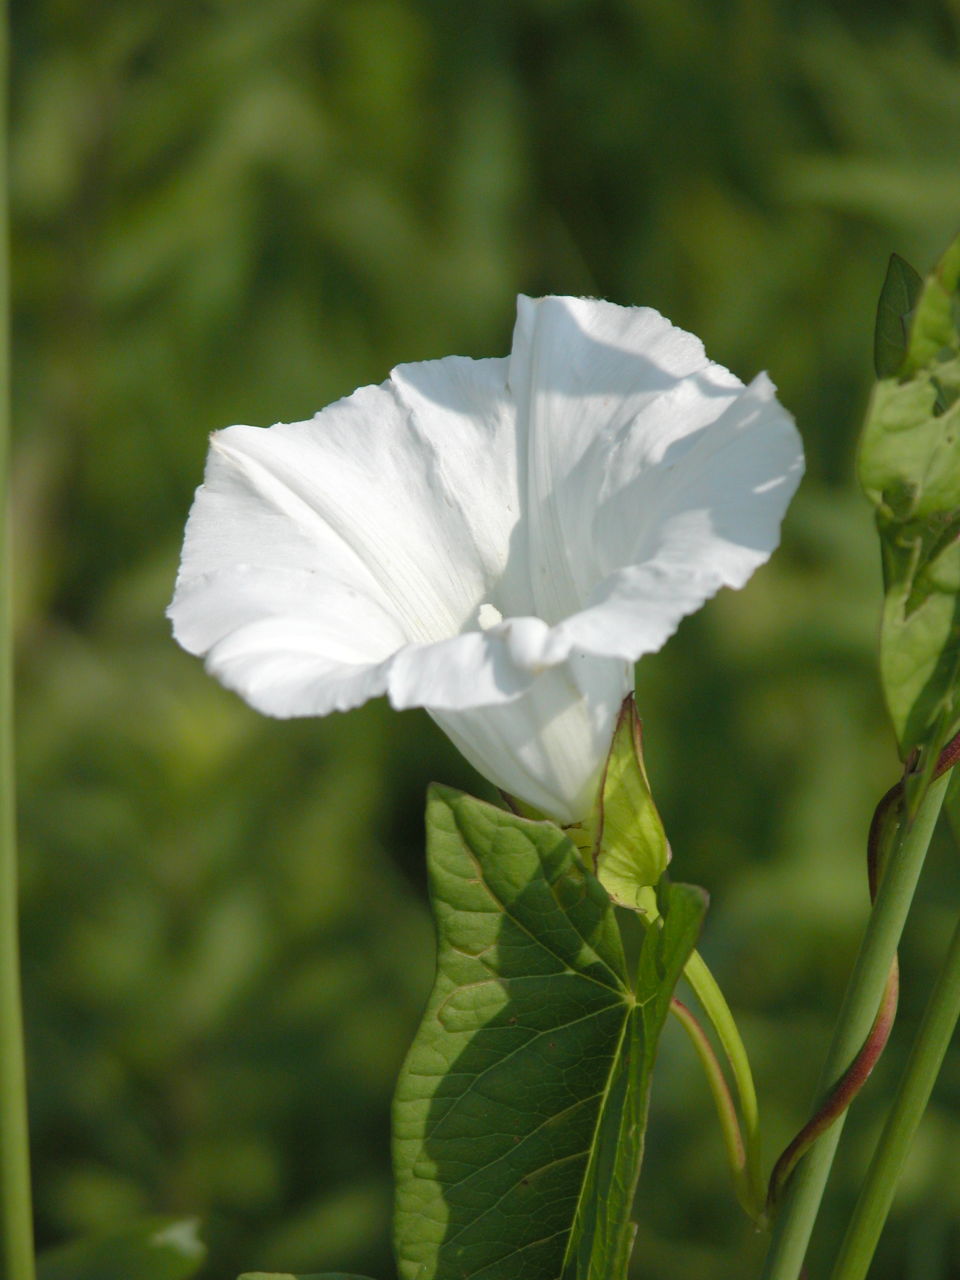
(933, 1039)
(707, 990)
(801, 1201)
(726, 1108)
(16, 1230)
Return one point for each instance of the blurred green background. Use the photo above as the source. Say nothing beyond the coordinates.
(236, 212)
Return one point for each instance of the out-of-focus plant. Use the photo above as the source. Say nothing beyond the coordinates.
(910, 471)
(299, 196)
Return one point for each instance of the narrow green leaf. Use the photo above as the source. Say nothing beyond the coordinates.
(151, 1249)
(631, 848)
(910, 469)
(286, 1275)
(525, 1052)
(898, 297)
(602, 1236)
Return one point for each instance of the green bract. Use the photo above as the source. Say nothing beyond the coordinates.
(898, 297)
(910, 470)
(520, 1112)
(630, 845)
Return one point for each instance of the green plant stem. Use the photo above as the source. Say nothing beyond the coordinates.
(726, 1108)
(707, 990)
(842, 1094)
(16, 1229)
(801, 1201)
(876, 1196)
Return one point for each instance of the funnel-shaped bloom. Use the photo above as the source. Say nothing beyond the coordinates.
(495, 540)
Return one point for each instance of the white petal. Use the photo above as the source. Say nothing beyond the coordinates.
(295, 644)
(548, 746)
(477, 669)
(582, 371)
(384, 521)
(465, 417)
(277, 666)
(673, 524)
(208, 609)
(403, 491)
(290, 642)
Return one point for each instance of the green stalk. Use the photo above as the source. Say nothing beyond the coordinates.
(714, 1004)
(16, 1227)
(726, 1109)
(801, 1201)
(876, 1196)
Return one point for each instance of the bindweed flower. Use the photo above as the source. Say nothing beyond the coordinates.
(494, 540)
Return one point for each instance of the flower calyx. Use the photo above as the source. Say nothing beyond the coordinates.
(627, 840)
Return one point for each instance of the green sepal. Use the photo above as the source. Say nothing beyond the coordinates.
(528, 1077)
(630, 847)
(898, 297)
(149, 1249)
(909, 466)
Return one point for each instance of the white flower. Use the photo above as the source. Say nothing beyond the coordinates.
(495, 540)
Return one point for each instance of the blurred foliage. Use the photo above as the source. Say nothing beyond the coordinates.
(229, 211)
(149, 1249)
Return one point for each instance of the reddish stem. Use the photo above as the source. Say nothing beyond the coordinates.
(948, 757)
(842, 1093)
(886, 817)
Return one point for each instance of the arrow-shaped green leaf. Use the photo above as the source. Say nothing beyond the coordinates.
(519, 1115)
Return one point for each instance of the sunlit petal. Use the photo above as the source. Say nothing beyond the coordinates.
(582, 372)
(677, 520)
(548, 746)
(409, 500)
